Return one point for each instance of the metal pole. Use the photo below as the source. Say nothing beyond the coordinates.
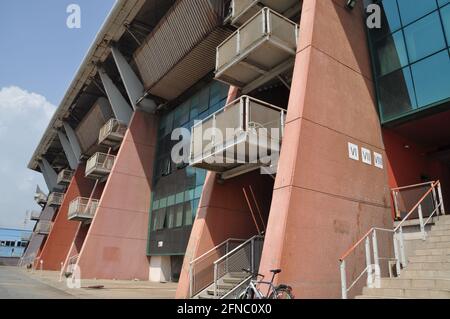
(343, 280)
(252, 260)
(369, 264)
(397, 255)
(397, 213)
(215, 280)
(435, 200)
(402, 248)
(422, 225)
(376, 259)
(441, 200)
(191, 281)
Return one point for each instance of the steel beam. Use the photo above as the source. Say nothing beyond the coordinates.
(119, 105)
(73, 140)
(70, 155)
(49, 174)
(133, 85)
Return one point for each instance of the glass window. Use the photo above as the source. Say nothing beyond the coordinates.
(200, 176)
(390, 53)
(445, 12)
(200, 103)
(396, 93)
(411, 10)
(188, 213)
(198, 192)
(390, 19)
(170, 217)
(179, 215)
(179, 198)
(424, 37)
(443, 2)
(181, 116)
(432, 78)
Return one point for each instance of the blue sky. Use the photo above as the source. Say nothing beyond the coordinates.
(39, 56)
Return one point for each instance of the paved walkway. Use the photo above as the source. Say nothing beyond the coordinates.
(21, 283)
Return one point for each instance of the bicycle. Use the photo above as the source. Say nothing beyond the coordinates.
(253, 292)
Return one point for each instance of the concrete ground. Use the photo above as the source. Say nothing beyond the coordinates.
(19, 283)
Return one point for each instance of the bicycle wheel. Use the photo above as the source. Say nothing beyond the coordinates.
(282, 293)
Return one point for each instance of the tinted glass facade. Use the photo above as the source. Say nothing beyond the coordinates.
(411, 56)
(177, 189)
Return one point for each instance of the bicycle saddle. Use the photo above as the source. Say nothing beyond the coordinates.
(275, 271)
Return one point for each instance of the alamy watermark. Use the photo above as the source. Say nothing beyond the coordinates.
(74, 18)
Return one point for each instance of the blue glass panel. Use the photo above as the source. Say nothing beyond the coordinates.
(396, 94)
(432, 78)
(390, 53)
(443, 2)
(424, 37)
(411, 10)
(445, 12)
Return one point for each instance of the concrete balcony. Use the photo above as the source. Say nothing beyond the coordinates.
(259, 51)
(65, 177)
(35, 215)
(55, 199)
(112, 133)
(99, 165)
(40, 198)
(82, 209)
(239, 138)
(43, 227)
(243, 10)
(25, 237)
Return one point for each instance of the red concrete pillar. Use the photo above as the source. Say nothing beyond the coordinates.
(323, 201)
(115, 246)
(63, 232)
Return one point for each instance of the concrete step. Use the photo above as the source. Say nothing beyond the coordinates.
(440, 283)
(430, 245)
(205, 296)
(438, 258)
(220, 292)
(240, 275)
(443, 220)
(438, 239)
(407, 293)
(432, 251)
(440, 227)
(234, 281)
(377, 297)
(437, 232)
(428, 265)
(424, 274)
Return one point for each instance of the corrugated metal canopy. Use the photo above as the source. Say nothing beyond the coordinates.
(182, 48)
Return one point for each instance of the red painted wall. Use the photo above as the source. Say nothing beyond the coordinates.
(63, 232)
(115, 245)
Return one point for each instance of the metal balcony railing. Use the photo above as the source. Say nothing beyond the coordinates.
(82, 209)
(64, 177)
(112, 133)
(35, 215)
(43, 227)
(260, 50)
(99, 165)
(238, 135)
(242, 10)
(55, 199)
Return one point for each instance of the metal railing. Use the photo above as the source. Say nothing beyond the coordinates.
(404, 198)
(100, 163)
(113, 131)
(266, 25)
(201, 269)
(82, 207)
(43, 227)
(245, 256)
(65, 176)
(55, 199)
(377, 251)
(242, 117)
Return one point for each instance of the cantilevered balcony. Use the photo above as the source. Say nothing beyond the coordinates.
(99, 165)
(35, 215)
(262, 49)
(241, 137)
(64, 177)
(43, 227)
(82, 209)
(243, 10)
(112, 133)
(40, 198)
(25, 237)
(55, 199)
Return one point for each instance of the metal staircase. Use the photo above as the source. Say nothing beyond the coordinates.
(218, 273)
(392, 272)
